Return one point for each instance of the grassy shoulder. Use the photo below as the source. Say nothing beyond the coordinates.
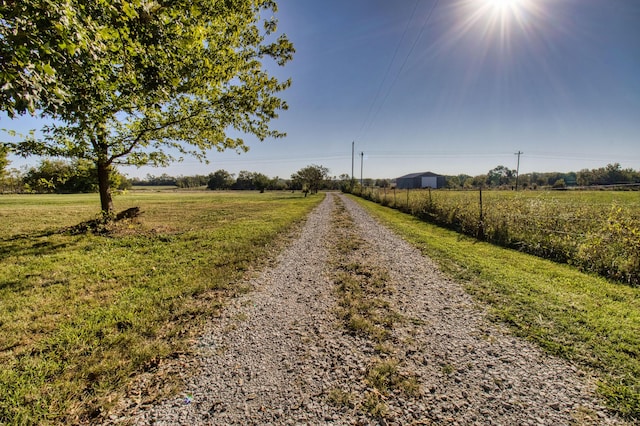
(81, 314)
(582, 317)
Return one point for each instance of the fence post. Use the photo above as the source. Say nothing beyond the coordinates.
(407, 199)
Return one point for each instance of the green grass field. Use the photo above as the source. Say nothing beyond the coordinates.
(582, 317)
(81, 314)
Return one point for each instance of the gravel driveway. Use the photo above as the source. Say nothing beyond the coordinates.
(279, 355)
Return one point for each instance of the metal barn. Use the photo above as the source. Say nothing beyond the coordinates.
(420, 180)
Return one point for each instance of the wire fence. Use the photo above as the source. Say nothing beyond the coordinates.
(598, 231)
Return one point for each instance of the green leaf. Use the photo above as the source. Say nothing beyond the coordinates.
(48, 70)
(129, 10)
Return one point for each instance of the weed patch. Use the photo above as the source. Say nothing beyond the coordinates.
(340, 398)
(360, 285)
(374, 405)
(385, 376)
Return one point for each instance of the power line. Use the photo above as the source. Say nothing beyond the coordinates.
(386, 74)
(406, 60)
(572, 156)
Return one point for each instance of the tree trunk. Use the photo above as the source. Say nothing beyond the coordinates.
(104, 186)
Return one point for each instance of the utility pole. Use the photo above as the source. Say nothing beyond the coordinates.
(361, 161)
(353, 145)
(519, 153)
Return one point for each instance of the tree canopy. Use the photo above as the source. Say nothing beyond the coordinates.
(500, 175)
(220, 179)
(160, 79)
(310, 178)
(39, 40)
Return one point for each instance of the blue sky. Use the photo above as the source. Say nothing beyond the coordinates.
(454, 86)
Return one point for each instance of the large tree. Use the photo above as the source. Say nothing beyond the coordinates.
(169, 78)
(500, 175)
(311, 177)
(220, 179)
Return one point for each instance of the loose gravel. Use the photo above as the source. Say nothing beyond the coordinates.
(278, 354)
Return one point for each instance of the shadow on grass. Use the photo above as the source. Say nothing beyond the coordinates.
(36, 244)
(30, 245)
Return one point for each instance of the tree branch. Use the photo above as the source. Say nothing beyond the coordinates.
(143, 132)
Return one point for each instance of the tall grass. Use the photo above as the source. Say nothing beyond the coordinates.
(81, 314)
(598, 231)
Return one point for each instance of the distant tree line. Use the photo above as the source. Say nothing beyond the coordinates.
(502, 177)
(77, 176)
(309, 179)
(60, 176)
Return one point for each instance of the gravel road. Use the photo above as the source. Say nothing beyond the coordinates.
(278, 354)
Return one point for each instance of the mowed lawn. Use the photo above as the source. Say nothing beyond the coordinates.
(80, 315)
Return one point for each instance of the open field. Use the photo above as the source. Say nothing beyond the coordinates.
(81, 314)
(157, 188)
(598, 231)
(582, 317)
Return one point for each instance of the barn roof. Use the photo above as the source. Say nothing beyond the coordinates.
(415, 175)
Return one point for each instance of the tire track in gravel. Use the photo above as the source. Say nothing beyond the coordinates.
(278, 356)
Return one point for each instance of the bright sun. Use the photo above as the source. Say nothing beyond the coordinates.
(504, 12)
(505, 7)
(501, 21)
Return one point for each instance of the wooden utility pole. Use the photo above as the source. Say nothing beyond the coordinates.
(353, 147)
(518, 167)
(361, 161)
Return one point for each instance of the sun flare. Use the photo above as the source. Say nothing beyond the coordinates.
(503, 5)
(502, 27)
(504, 9)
